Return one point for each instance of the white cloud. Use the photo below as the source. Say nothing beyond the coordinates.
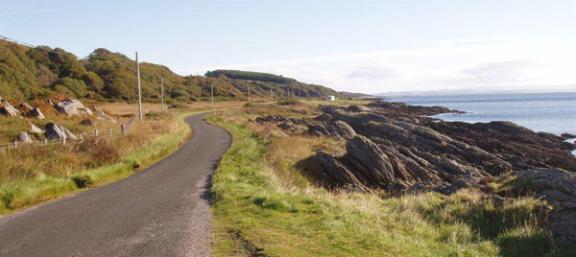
(493, 62)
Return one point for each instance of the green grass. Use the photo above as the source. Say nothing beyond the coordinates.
(255, 215)
(23, 193)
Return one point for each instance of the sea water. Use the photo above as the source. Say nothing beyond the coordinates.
(545, 112)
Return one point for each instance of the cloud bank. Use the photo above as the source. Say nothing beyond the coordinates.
(495, 63)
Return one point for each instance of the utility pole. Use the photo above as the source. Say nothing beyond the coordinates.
(212, 94)
(140, 111)
(161, 94)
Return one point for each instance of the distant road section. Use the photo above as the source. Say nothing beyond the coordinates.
(161, 211)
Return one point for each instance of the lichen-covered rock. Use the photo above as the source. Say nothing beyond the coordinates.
(72, 107)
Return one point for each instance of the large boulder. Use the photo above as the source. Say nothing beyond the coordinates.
(57, 132)
(72, 107)
(9, 110)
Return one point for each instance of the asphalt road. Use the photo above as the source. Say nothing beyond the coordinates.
(161, 211)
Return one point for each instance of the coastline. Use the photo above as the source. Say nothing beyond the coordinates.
(546, 112)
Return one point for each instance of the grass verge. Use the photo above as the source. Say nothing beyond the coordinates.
(19, 194)
(256, 214)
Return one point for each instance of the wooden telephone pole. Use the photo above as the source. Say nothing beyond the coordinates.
(161, 94)
(140, 111)
(211, 94)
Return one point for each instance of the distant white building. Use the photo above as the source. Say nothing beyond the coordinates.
(330, 98)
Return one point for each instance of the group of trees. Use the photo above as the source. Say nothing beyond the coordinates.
(27, 73)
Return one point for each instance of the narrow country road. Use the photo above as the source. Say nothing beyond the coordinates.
(161, 211)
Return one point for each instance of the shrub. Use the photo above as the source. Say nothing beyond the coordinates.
(82, 181)
(288, 101)
(100, 150)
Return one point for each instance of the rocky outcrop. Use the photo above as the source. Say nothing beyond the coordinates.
(558, 187)
(393, 108)
(399, 148)
(9, 110)
(57, 132)
(72, 107)
(271, 118)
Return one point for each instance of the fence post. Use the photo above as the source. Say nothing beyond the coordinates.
(45, 141)
(96, 132)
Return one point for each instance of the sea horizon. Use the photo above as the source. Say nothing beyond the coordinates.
(553, 112)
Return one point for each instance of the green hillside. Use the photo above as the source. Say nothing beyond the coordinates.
(263, 83)
(28, 73)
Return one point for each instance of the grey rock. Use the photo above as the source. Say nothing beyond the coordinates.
(55, 131)
(9, 110)
(37, 113)
(73, 107)
(342, 129)
(24, 137)
(35, 129)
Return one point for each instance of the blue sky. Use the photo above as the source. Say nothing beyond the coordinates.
(366, 46)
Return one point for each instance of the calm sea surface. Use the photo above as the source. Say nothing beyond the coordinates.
(551, 112)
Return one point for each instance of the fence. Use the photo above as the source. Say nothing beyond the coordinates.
(124, 128)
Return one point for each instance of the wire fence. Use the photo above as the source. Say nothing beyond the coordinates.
(122, 130)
